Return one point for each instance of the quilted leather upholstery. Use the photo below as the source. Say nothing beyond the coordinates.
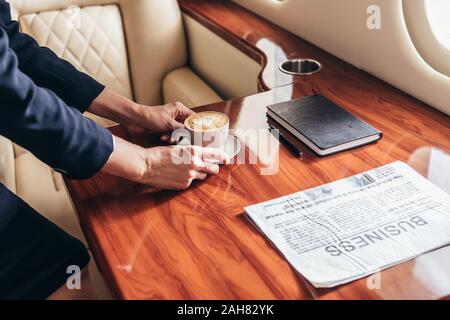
(155, 39)
(91, 38)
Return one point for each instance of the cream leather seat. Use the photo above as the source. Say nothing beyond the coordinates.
(135, 47)
(130, 46)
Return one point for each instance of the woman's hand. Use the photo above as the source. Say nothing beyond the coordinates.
(176, 167)
(165, 118)
(173, 167)
(139, 118)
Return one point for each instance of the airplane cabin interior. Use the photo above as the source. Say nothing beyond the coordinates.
(225, 150)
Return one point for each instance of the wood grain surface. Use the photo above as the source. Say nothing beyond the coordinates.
(198, 244)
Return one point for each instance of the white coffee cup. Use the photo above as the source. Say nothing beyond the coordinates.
(208, 129)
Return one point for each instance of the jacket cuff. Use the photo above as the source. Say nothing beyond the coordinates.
(95, 159)
(92, 89)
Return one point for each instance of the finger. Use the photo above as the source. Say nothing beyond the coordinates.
(168, 139)
(185, 185)
(195, 151)
(176, 124)
(201, 175)
(183, 112)
(209, 168)
(209, 154)
(204, 166)
(216, 155)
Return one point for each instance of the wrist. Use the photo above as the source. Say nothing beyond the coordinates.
(131, 113)
(115, 107)
(128, 161)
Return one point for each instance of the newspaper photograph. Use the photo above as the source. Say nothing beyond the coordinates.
(351, 228)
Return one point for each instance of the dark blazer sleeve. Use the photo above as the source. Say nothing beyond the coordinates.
(47, 70)
(38, 120)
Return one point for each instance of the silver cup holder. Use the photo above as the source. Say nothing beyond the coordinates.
(300, 67)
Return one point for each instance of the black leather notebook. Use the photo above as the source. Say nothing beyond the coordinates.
(322, 125)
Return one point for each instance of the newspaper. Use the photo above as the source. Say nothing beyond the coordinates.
(351, 228)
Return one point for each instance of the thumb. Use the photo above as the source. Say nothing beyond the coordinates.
(176, 125)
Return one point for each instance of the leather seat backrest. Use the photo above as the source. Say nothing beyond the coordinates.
(128, 45)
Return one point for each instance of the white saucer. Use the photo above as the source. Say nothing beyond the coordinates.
(232, 147)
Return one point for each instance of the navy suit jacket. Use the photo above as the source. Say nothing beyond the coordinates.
(42, 99)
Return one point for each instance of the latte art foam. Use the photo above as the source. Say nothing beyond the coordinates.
(206, 121)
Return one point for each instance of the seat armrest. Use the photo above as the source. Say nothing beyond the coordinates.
(185, 86)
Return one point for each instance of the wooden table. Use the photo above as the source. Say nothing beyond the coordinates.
(198, 244)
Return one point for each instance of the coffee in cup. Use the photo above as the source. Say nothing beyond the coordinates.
(208, 129)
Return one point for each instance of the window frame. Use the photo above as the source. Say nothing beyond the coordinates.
(430, 48)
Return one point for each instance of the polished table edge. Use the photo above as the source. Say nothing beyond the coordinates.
(224, 18)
